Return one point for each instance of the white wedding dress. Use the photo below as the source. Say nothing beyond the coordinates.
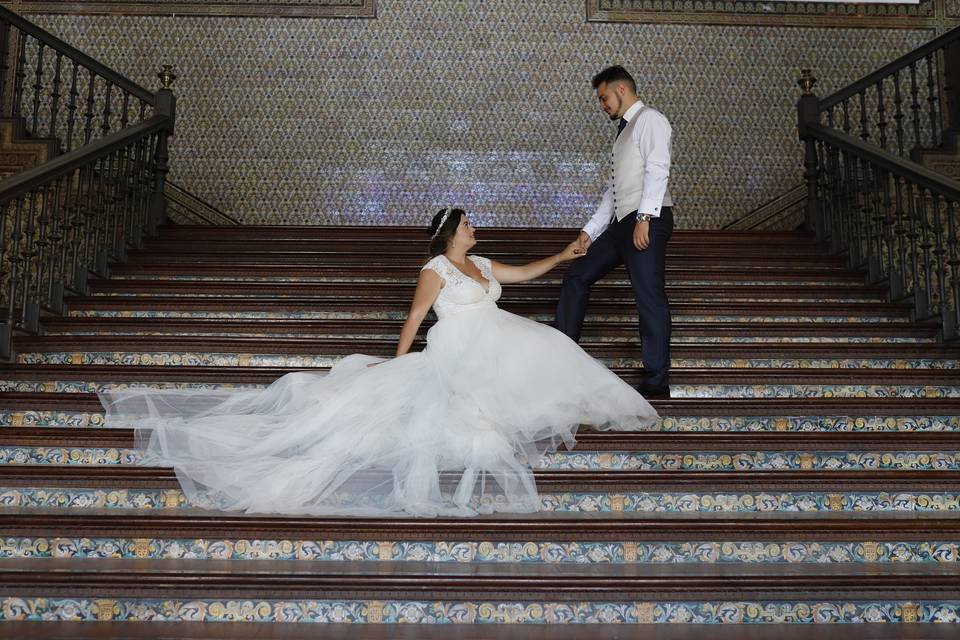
(451, 430)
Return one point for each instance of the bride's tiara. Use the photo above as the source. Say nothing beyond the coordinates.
(443, 220)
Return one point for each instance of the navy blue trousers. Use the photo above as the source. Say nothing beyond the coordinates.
(647, 272)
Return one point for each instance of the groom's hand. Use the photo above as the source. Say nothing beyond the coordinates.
(584, 240)
(641, 235)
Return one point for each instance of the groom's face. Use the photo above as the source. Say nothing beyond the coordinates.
(610, 97)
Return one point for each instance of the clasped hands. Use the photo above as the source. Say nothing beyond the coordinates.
(641, 238)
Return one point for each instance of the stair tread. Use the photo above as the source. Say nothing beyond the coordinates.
(317, 346)
(678, 375)
(666, 407)
(572, 526)
(555, 581)
(590, 440)
(116, 476)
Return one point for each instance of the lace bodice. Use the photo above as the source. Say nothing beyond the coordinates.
(460, 292)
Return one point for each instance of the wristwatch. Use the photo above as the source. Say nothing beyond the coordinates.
(643, 217)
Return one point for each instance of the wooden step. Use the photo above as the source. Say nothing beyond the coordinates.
(761, 310)
(592, 330)
(387, 252)
(116, 477)
(676, 264)
(799, 238)
(666, 407)
(676, 273)
(525, 291)
(591, 440)
(387, 347)
(107, 577)
(620, 526)
(679, 376)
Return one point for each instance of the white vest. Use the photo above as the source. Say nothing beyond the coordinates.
(626, 172)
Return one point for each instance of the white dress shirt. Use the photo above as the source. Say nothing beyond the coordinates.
(652, 135)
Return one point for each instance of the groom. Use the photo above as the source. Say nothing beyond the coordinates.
(632, 226)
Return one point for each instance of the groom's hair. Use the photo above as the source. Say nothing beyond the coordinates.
(613, 74)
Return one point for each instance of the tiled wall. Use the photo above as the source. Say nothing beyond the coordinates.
(486, 105)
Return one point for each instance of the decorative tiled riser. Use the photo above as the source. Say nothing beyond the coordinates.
(580, 552)
(412, 281)
(808, 501)
(681, 423)
(401, 315)
(590, 461)
(140, 358)
(438, 612)
(587, 340)
(772, 390)
(190, 295)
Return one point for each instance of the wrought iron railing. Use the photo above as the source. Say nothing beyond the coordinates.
(59, 91)
(887, 213)
(69, 217)
(906, 106)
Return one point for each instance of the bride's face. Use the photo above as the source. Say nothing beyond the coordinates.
(463, 237)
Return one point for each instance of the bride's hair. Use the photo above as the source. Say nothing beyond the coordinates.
(441, 230)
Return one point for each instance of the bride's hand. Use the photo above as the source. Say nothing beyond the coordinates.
(572, 251)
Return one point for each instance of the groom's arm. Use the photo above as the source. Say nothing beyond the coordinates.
(601, 219)
(652, 135)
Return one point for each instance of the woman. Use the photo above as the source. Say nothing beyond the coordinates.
(450, 430)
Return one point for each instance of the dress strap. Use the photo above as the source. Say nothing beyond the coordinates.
(437, 264)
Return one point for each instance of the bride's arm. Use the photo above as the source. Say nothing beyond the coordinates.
(428, 288)
(508, 274)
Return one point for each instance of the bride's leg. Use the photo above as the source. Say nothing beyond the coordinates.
(601, 258)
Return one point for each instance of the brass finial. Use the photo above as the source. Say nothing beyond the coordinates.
(806, 82)
(167, 77)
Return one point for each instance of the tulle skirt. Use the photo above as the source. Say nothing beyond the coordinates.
(451, 430)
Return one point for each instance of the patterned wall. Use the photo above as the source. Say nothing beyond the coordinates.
(486, 105)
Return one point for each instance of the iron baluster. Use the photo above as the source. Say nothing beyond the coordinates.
(915, 104)
(951, 325)
(55, 96)
(107, 111)
(5, 31)
(864, 121)
(20, 75)
(88, 115)
(72, 106)
(932, 102)
(881, 116)
(898, 112)
(29, 312)
(37, 86)
(924, 283)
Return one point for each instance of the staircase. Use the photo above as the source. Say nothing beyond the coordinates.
(19, 151)
(806, 470)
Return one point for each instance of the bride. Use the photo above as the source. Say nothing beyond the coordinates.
(450, 430)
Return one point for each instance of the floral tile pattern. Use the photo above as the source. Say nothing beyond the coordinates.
(28, 418)
(401, 315)
(494, 551)
(325, 154)
(447, 612)
(606, 339)
(552, 502)
(772, 390)
(140, 358)
(590, 460)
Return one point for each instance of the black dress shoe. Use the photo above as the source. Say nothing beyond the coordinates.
(649, 392)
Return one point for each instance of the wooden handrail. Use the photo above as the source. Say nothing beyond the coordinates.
(75, 54)
(46, 173)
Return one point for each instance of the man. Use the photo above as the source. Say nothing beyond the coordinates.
(632, 226)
